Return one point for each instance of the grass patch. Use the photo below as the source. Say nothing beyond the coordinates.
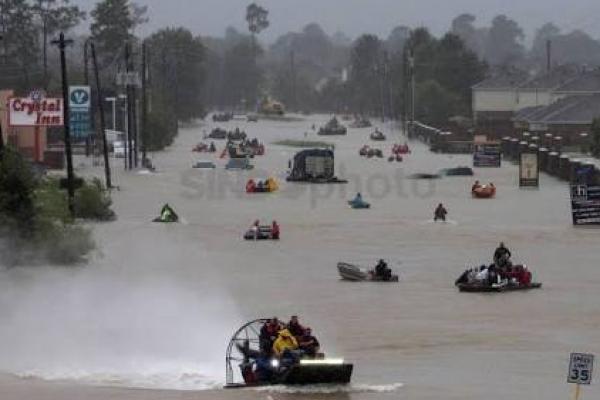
(304, 143)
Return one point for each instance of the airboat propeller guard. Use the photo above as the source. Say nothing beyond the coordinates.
(305, 372)
(248, 332)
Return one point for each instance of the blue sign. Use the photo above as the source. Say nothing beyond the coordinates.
(487, 155)
(79, 97)
(585, 199)
(79, 111)
(79, 123)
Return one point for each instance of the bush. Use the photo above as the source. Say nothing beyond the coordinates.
(36, 226)
(92, 201)
(64, 244)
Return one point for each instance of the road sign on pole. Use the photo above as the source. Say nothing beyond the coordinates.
(79, 111)
(580, 368)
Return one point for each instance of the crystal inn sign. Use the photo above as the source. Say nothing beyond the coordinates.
(35, 110)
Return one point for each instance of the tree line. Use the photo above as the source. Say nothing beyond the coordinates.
(309, 70)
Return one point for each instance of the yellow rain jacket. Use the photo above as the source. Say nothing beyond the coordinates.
(285, 341)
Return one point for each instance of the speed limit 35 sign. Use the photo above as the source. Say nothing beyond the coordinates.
(580, 368)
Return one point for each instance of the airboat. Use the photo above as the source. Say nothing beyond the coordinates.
(245, 364)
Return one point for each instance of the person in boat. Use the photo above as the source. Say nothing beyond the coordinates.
(502, 256)
(268, 335)
(255, 228)
(167, 214)
(295, 327)
(286, 348)
(275, 230)
(382, 271)
(476, 185)
(308, 343)
(440, 213)
(358, 198)
(483, 275)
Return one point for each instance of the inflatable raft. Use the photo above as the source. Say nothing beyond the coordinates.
(484, 191)
(264, 232)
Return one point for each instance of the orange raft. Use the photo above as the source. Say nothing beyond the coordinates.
(483, 191)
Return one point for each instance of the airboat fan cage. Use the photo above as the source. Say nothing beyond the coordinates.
(250, 333)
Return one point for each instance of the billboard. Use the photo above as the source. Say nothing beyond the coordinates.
(529, 171)
(487, 155)
(585, 199)
(35, 110)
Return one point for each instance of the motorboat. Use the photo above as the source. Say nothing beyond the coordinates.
(351, 272)
(263, 232)
(333, 127)
(377, 136)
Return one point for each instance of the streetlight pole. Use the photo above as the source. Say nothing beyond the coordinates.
(102, 119)
(113, 100)
(62, 43)
(126, 128)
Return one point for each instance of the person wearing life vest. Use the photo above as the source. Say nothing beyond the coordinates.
(285, 343)
(268, 335)
(275, 230)
(167, 214)
(502, 256)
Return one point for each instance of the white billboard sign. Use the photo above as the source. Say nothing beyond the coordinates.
(35, 111)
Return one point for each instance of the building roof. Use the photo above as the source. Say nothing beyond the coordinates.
(577, 109)
(503, 80)
(587, 82)
(551, 79)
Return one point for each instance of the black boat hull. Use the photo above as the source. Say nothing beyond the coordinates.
(465, 287)
(316, 374)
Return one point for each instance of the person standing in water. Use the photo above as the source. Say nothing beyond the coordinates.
(440, 213)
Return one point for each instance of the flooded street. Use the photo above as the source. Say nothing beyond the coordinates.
(157, 304)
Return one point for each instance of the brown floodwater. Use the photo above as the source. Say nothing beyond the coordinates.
(156, 305)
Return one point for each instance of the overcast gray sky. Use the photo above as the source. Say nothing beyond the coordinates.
(359, 16)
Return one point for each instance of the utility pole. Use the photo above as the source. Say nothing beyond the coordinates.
(102, 120)
(86, 76)
(144, 126)
(1, 137)
(1, 142)
(412, 91)
(548, 55)
(293, 72)
(62, 43)
(129, 147)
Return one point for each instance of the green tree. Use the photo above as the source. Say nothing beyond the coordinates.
(17, 186)
(19, 45)
(365, 73)
(457, 69)
(503, 43)
(435, 104)
(242, 77)
(55, 16)
(178, 71)
(257, 18)
(112, 24)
